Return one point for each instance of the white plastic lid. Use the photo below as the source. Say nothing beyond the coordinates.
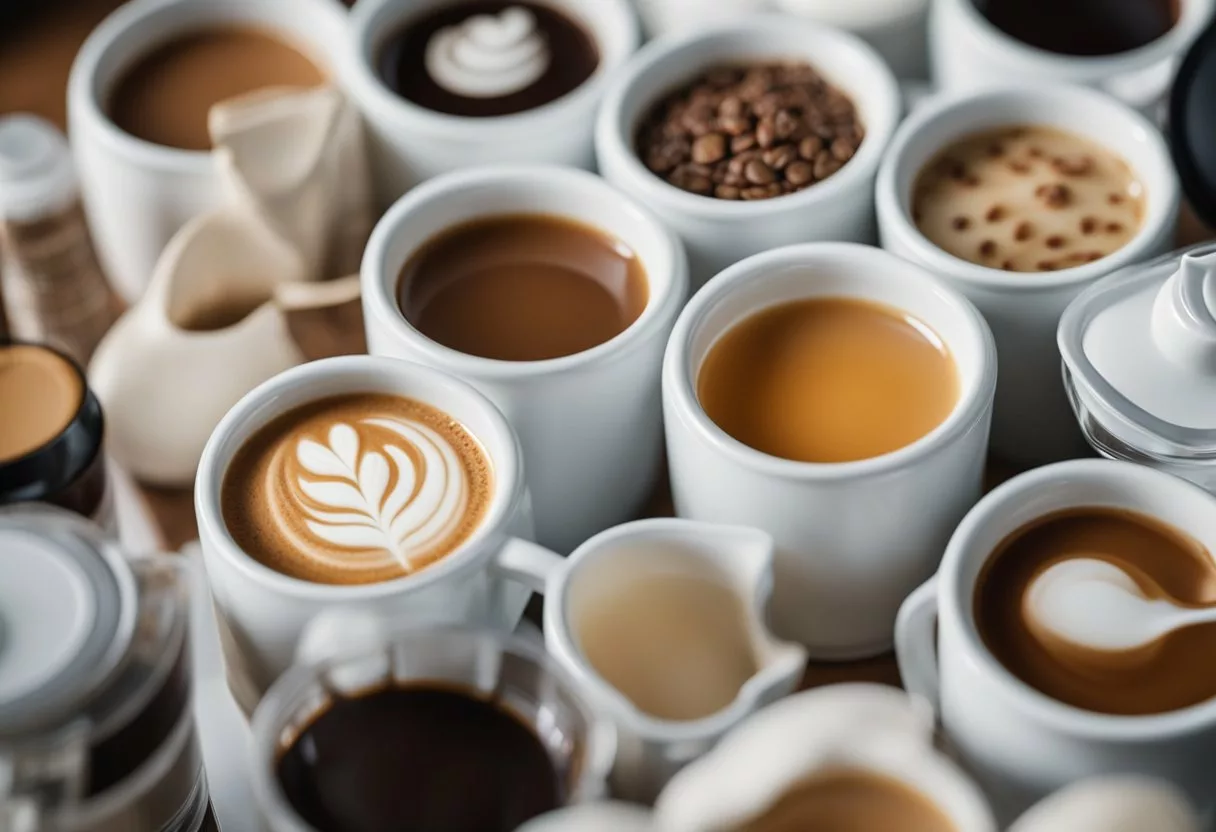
(36, 173)
(1140, 351)
(67, 613)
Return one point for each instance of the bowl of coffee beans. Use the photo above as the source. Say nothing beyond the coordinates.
(751, 137)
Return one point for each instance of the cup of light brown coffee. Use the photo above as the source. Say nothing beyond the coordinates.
(1046, 667)
(838, 398)
(553, 294)
(357, 484)
(139, 95)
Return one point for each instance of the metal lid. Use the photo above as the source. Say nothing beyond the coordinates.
(1193, 124)
(67, 616)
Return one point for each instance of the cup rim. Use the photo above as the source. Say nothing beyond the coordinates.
(895, 219)
(84, 87)
(469, 556)
(1193, 18)
(365, 83)
(559, 634)
(380, 300)
(1067, 719)
(601, 742)
(613, 135)
(679, 384)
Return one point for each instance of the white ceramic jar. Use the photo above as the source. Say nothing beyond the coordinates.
(1033, 422)
(409, 143)
(138, 194)
(717, 232)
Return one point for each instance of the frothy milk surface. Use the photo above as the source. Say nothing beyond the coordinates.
(41, 392)
(828, 380)
(676, 645)
(356, 489)
(1028, 199)
(1161, 563)
(851, 800)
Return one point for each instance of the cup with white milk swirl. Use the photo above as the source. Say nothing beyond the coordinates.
(358, 483)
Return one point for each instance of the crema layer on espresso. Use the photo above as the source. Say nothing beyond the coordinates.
(356, 489)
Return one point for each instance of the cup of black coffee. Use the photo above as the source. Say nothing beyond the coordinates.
(51, 431)
(441, 729)
(1128, 48)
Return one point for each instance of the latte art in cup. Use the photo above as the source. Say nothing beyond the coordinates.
(356, 489)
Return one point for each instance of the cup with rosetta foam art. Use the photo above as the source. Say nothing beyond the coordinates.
(312, 506)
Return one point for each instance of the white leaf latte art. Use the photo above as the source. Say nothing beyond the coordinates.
(489, 56)
(397, 503)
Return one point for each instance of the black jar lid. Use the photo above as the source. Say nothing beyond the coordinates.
(44, 472)
(1192, 133)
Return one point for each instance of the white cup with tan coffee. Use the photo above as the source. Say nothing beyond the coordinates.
(553, 294)
(838, 398)
(363, 484)
(139, 95)
(1068, 633)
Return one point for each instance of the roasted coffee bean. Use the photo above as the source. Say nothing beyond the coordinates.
(750, 132)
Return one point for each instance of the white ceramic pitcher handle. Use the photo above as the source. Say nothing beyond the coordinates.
(527, 563)
(915, 645)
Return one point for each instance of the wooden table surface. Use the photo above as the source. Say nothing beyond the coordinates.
(35, 58)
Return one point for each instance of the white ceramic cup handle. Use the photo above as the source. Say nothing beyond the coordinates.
(915, 645)
(527, 563)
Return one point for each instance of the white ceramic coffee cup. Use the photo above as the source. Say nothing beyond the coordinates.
(1020, 743)
(267, 611)
(409, 143)
(589, 423)
(1033, 422)
(651, 750)
(720, 232)
(968, 52)
(138, 194)
(853, 539)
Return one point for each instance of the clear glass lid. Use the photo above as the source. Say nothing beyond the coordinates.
(1139, 351)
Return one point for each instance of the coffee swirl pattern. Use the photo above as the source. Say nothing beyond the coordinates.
(1044, 593)
(356, 489)
(489, 56)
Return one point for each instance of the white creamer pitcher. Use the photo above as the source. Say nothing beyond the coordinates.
(651, 750)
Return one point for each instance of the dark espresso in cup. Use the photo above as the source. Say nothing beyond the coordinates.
(51, 431)
(1165, 674)
(488, 57)
(523, 288)
(418, 758)
(165, 97)
(1082, 27)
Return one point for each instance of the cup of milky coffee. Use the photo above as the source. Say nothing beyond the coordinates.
(552, 294)
(445, 84)
(839, 399)
(1021, 198)
(749, 136)
(1073, 614)
(662, 625)
(426, 730)
(138, 100)
(362, 483)
(51, 432)
(1127, 48)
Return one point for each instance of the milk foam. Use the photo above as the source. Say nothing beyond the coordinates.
(369, 499)
(489, 56)
(1093, 603)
